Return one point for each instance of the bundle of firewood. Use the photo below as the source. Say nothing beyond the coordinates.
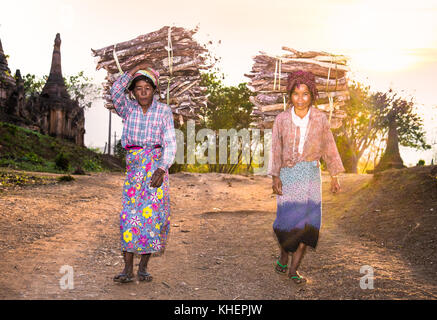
(172, 52)
(268, 80)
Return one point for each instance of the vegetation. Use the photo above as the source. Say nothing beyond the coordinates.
(24, 149)
(228, 108)
(119, 151)
(66, 178)
(11, 179)
(62, 162)
(79, 86)
(365, 129)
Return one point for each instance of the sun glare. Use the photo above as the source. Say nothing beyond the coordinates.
(383, 61)
(381, 35)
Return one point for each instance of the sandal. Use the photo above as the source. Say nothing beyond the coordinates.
(281, 269)
(144, 276)
(123, 278)
(297, 278)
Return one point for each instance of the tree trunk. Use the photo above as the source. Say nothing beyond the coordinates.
(350, 161)
(353, 165)
(391, 157)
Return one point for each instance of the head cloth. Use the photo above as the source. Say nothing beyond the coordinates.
(149, 73)
(299, 77)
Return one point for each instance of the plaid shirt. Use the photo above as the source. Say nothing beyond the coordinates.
(145, 130)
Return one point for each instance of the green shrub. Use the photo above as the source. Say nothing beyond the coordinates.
(92, 165)
(420, 163)
(62, 162)
(7, 139)
(66, 178)
(95, 150)
(119, 151)
(12, 129)
(32, 158)
(5, 162)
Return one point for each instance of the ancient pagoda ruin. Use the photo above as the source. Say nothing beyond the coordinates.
(65, 119)
(8, 83)
(52, 112)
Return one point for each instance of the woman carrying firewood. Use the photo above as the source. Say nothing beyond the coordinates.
(150, 141)
(301, 136)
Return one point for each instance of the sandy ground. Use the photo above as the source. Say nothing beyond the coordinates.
(221, 245)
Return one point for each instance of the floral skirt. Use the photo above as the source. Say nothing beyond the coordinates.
(299, 209)
(145, 218)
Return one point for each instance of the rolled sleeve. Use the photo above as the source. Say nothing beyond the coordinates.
(330, 152)
(275, 161)
(169, 141)
(118, 95)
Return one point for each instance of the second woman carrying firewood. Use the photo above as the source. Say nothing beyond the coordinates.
(301, 136)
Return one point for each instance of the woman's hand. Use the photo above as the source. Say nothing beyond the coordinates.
(157, 178)
(141, 66)
(335, 185)
(277, 185)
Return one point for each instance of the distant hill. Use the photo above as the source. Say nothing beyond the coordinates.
(398, 209)
(24, 149)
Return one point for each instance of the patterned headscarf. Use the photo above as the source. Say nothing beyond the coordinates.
(303, 77)
(149, 73)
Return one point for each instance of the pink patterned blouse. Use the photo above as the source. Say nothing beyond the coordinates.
(319, 143)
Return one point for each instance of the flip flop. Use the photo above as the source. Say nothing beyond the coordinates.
(283, 269)
(297, 279)
(144, 276)
(123, 278)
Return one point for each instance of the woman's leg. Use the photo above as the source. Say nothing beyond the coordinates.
(128, 271)
(296, 260)
(128, 263)
(142, 268)
(283, 260)
(143, 262)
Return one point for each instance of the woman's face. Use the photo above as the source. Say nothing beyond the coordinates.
(143, 92)
(301, 97)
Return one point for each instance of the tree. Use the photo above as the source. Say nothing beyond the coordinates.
(370, 118)
(79, 87)
(228, 108)
(33, 84)
(404, 126)
(359, 129)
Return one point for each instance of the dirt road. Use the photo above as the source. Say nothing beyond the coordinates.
(221, 245)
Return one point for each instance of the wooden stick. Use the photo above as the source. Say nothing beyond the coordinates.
(149, 37)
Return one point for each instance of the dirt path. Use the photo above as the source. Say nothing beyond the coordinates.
(221, 245)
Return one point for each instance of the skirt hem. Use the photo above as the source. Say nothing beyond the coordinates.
(143, 252)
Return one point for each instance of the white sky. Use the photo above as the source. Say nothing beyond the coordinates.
(390, 43)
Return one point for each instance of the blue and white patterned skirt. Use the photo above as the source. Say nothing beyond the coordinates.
(299, 209)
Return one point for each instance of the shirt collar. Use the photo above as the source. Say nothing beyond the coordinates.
(298, 119)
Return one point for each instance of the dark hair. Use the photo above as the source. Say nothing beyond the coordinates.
(302, 77)
(144, 78)
(298, 84)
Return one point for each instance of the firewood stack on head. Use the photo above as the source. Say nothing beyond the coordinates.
(268, 80)
(175, 55)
